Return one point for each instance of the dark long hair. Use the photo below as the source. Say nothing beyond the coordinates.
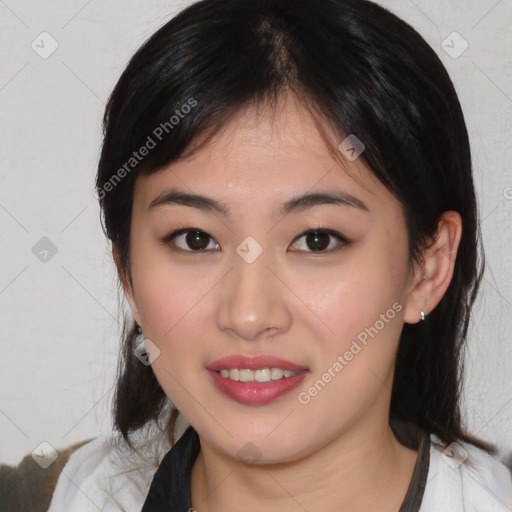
(362, 71)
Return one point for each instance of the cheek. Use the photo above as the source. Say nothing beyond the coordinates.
(365, 289)
(175, 317)
(167, 289)
(355, 357)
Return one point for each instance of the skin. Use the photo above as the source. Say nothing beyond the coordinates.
(336, 452)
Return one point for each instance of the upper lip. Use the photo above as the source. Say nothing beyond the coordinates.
(253, 363)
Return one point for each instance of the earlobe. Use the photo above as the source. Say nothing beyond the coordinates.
(433, 277)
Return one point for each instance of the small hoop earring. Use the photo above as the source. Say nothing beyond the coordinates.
(422, 315)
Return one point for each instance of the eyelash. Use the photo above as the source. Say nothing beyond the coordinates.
(343, 241)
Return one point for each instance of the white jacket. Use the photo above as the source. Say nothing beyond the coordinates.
(103, 476)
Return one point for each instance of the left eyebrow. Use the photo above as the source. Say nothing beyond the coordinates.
(309, 200)
(295, 204)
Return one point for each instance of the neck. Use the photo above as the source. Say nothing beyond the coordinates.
(364, 468)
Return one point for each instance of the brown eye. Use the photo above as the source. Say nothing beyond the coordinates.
(315, 241)
(190, 240)
(319, 240)
(197, 240)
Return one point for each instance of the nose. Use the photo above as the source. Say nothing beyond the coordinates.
(254, 303)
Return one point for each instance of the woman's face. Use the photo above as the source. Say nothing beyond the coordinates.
(250, 293)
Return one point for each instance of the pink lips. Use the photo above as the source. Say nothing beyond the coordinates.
(255, 393)
(254, 363)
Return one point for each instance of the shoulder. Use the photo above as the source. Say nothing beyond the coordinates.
(107, 475)
(95, 479)
(77, 475)
(464, 477)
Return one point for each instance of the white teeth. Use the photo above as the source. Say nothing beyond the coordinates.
(276, 373)
(245, 375)
(260, 375)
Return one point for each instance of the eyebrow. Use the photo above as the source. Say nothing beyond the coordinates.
(295, 204)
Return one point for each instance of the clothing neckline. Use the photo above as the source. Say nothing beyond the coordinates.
(170, 488)
(412, 436)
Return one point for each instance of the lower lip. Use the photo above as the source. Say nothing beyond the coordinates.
(256, 393)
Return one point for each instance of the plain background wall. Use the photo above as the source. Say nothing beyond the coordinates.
(59, 318)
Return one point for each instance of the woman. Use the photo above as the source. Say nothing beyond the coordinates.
(287, 188)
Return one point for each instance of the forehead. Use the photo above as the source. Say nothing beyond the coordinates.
(266, 156)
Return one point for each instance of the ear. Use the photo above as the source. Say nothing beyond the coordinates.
(431, 279)
(126, 283)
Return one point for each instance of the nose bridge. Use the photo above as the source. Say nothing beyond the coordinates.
(251, 301)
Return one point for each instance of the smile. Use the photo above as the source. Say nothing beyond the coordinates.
(260, 375)
(256, 379)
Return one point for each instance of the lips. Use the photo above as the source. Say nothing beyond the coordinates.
(254, 363)
(255, 393)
